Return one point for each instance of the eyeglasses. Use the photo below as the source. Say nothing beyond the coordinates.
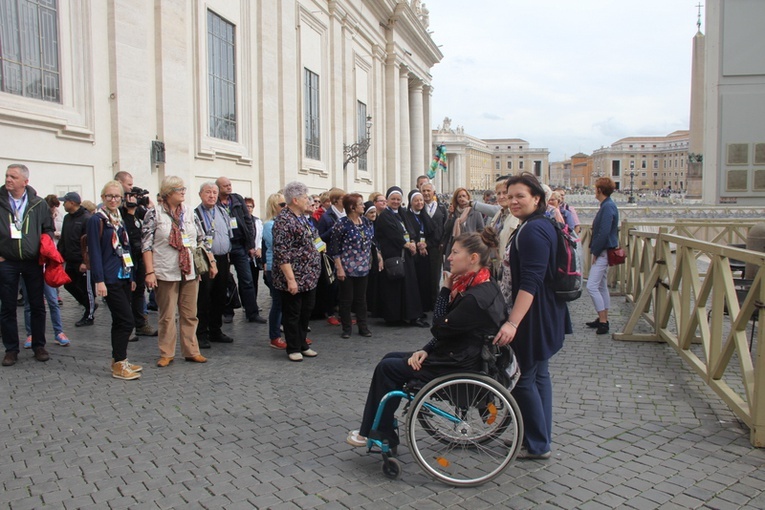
(282, 204)
(250, 206)
(178, 190)
(113, 197)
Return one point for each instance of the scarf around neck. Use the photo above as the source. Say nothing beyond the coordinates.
(115, 220)
(457, 230)
(467, 280)
(176, 238)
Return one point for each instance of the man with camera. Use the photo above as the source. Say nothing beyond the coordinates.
(133, 210)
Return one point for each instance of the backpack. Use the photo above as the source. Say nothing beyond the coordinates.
(569, 280)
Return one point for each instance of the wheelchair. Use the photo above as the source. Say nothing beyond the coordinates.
(463, 429)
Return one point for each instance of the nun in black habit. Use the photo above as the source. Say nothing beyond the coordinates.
(421, 229)
(399, 298)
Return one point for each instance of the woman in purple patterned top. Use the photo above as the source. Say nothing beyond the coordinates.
(351, 245)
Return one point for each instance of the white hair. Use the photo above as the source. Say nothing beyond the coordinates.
(294, 189)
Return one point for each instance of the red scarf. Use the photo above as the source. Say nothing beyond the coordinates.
(467, 280)
(176, 239)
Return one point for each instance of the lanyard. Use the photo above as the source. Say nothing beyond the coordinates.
(209, 223)
(18, 212)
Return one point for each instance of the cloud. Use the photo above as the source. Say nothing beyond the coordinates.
(611, 128)
(491, 116)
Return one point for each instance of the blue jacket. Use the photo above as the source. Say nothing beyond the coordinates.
(532, 265)
(105, 264)
(605, 228)
(326, 222)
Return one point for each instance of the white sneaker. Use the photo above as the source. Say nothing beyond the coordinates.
(354, 439)
(310, 353)
(295, 356)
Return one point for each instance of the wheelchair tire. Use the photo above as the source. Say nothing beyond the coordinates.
(391, 468)
(464, 429)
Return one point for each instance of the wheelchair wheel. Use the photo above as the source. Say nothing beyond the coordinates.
(464, 429)
(391, 468)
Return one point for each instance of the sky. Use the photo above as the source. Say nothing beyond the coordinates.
(568, 75)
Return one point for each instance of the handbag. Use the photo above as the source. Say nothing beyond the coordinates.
(394, 267)
(327, 269)
(616, 256)
(201, 260)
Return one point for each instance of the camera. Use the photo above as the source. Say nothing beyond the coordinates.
(141, 196)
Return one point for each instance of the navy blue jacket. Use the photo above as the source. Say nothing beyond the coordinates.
(105, 264)
(605, 228)
(326, 222)
(540, 333)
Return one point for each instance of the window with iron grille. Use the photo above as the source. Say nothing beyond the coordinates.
(311, 114)
(221, 72)
(361, 129)
(29, 45)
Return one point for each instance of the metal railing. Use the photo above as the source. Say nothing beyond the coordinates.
(684, 288)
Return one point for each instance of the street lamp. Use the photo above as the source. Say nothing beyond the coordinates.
(631, 200)
(358, 149)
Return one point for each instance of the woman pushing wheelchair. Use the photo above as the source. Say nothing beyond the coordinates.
(470, 307)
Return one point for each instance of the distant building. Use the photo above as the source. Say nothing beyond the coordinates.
(476, 163)
(734, 103)
(657, 162)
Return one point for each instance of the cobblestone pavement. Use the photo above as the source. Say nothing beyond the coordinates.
(633, 429)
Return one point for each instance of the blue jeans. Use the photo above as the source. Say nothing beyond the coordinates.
(10, 273)
(51, 296)
(240, 259)
(275, 315)
(533, 392)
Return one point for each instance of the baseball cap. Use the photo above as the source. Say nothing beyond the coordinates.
(72, 197)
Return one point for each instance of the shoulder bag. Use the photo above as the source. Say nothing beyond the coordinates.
(394, 267)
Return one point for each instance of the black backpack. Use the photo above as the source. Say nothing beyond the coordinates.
(568, 281)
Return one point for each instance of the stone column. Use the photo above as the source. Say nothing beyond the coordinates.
(416, 131)
(392, 124)
(427, 91)
(406, 165)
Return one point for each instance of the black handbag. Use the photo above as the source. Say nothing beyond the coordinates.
(394, 267)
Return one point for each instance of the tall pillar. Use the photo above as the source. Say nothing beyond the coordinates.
(392, 124)
(406, 165)
(427, 91)
(416, 131)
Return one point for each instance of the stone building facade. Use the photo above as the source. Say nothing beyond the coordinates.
(475, 163)
(658, 162)
(263, 92)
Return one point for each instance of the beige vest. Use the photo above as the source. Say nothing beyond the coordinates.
(165, 256)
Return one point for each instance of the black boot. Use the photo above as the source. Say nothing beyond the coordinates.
(593, 324)
(602, 328)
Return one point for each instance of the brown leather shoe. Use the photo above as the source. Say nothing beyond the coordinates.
(10, 358)
(163, 362)
(41, 354)
(196, 359)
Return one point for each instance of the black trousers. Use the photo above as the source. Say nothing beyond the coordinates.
(296, 312)
(352, 297)
(10, 272)
(138, 297)
(390, 374)
(81, 287)
(118, 297)
(436, 266)
(211, 300)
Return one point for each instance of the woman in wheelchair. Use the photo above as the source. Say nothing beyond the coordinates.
(469, 308)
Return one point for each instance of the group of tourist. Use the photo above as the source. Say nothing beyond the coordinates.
(382, 257)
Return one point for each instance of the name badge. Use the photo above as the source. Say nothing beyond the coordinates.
(406, 237)
(233, 223)
(320, 245)
(186, 241)
(209, 240)
(15, 232)
(127, 259)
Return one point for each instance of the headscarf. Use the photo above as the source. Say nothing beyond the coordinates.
(467, 280)
(176, 237)
(393, 189)
(411, 195)
(368, 205)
